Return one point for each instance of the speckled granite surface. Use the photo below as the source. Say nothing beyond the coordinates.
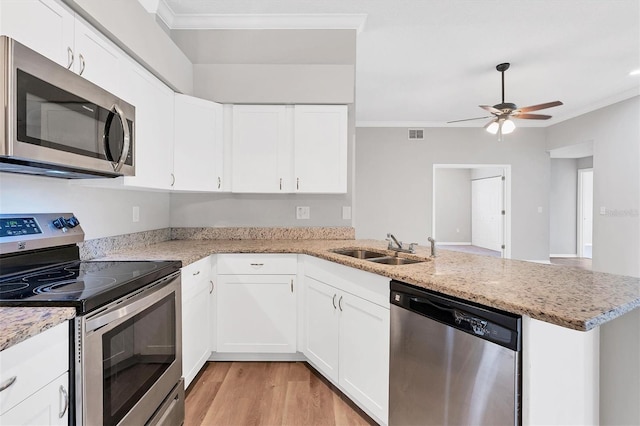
(248, 233)
(568, 297)
(18, 324)
(101, 246)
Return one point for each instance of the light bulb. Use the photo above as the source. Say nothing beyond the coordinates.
(508, 126)
(493, 127)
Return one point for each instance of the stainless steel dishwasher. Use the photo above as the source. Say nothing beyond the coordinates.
(452, 362)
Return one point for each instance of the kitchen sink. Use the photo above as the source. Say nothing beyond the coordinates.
(376, 256)
(390, 260)
(359, 254)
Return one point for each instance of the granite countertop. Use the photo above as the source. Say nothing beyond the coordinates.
(19, 324)
(568, 297)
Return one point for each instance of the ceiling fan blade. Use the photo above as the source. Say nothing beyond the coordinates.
(491, 109)
(468, 119)
(532, 116)
(539, 106)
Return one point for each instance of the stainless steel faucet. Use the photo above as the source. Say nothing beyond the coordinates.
(399, 246)
(433, 246)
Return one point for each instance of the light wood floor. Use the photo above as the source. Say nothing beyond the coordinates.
(266, 393)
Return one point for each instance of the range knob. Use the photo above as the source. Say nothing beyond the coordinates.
(72, 222)
(60, 223)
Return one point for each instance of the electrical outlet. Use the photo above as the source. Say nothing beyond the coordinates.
(346, 212)
(136, 214)
(303, 212)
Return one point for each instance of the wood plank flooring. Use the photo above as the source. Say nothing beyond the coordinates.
(267, 393)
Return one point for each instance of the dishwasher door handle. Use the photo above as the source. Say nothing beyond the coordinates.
(422, 301)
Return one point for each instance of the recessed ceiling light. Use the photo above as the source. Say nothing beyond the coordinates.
(635, 72)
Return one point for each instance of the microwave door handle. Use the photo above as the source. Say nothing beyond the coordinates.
(127, 137)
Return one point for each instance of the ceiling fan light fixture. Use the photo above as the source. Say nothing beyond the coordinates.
(508, 126)
(493, 127)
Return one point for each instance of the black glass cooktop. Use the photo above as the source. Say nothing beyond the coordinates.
(83, 285)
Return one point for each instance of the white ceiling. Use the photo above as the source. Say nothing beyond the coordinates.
(426, 62)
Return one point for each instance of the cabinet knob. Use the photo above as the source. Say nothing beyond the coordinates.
(70, 57)
(65, 395)
(82, 64)
(8, 383)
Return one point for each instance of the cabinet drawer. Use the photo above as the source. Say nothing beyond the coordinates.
(260, 264)
(34, 363)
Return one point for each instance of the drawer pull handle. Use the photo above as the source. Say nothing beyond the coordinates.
(211, 290)
(70, 58)
(257, 265)
(219, 182)
(196, 273)
(8, 383)
(82, 64)
(292, 285)
(334, 302)
(65, 395)
(340, 303)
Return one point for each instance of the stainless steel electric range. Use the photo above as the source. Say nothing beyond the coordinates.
(126, 364)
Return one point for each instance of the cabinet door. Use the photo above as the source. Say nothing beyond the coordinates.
(96, 59)
(320, 145)
(153, 129)
(364, 353)
(198, 145)
(196, 289)
(48, 406)
(256, 313)
(321, 318)
(261, 147)
(43, 25)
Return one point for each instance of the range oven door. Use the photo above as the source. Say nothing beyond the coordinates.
(57, 117)
(130, 356)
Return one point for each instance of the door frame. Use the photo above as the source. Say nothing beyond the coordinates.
(579, 245)
(506, 224)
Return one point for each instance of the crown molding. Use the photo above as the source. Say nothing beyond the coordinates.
(326, 21)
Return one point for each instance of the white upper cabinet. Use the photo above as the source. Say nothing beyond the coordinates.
(43, 25)
(54, 31)
(153, 140)
(320, 145)
(96, 58)
(261, 149)
(198, 161)
(284, 149)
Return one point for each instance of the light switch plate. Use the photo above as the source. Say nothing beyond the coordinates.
(136, 214)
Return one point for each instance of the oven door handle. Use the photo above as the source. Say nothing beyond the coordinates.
(131, 307)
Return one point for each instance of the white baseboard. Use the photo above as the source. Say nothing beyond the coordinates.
(223, 356)
(563, 255)
(546, 262)
(440, 243)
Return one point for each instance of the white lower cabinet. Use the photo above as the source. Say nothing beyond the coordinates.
(256, 303)
(48, 406)
(346, 335)
(34, 376)
(197, 286)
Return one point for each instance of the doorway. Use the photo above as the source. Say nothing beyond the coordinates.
(585, 213)
(471, 208)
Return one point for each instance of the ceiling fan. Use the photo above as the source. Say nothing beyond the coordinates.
(503, 112)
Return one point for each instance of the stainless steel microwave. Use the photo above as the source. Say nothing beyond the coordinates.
(56, 123)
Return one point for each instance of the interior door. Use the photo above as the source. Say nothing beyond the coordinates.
(487, 220)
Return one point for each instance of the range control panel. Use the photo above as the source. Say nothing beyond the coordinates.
(30, 231)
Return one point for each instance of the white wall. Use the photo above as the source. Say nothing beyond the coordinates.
(393, 190)
(453, 205)
(563, 206)
(615, 132)
(256, 210)
(102, 212)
